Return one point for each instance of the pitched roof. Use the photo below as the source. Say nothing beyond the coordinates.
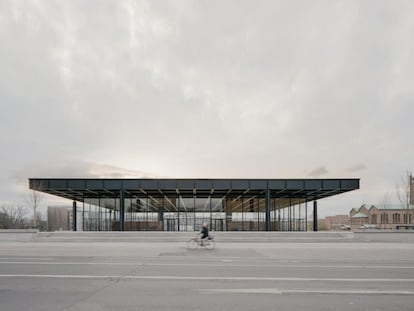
(360, 215)
(395, 208)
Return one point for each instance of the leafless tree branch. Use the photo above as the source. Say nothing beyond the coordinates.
(11, 217)
(403, 190)
(33, 201)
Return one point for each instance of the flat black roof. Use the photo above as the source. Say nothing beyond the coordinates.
(84, 188)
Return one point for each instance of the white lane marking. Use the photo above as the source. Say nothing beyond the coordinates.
(241, 291)
(276, 291)
(28, 258)
(206, 265)
(197, 278)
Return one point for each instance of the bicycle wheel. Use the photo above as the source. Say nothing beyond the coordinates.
(210, 244)
(192, 244)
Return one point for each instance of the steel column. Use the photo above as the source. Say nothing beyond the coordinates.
(315, 215)
(121, 210)
(242, 207)
(211, 214)
(267, 207)
(178, 213)
(74, 216)
(306, 215)
(83, 215)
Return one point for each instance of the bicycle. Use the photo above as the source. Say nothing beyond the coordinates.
(196, 242)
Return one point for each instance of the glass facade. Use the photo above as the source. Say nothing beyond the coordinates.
(188, 214)
(184, 204)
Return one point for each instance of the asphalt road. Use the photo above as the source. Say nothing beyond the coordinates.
(235, 276)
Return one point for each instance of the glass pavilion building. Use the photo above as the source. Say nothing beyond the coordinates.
(184, 204)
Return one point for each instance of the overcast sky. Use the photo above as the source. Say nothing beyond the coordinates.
(208, 89)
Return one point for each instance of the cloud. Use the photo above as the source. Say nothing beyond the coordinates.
(357, 168)
(318, 172)
(96, 170)
(206, 89)
(79, 169)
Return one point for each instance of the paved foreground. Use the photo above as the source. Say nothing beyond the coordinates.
(235, 276)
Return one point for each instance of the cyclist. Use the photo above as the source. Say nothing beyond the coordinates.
(204, 233)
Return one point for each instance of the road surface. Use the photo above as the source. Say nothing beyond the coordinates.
(235, 276)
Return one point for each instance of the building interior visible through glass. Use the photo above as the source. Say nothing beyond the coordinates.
(185, 204)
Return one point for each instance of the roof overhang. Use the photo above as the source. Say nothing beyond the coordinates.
(85, 188)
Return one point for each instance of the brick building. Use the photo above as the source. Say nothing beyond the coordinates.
(394, 218)
(335, 223)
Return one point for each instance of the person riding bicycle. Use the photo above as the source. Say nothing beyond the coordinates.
(204, 233)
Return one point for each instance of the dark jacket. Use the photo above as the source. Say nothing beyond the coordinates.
(204, 232)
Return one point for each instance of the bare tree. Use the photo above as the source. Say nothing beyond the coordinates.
(411, 189)
(33, 201)
(11, 217)
(385, 200)
(385, 204)
(403, 190)
(403, 193)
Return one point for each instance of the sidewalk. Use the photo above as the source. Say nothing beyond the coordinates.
(161, 236)
(222, 237)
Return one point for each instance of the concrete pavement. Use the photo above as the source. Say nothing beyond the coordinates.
(81, 275)
(223, 237)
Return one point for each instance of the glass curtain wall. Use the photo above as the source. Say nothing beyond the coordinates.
(188, 214)
(243, 213)
(288, 214)
(99, 214)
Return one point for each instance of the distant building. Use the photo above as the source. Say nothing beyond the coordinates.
(58, 218)
(335, 223)
(381, 218)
